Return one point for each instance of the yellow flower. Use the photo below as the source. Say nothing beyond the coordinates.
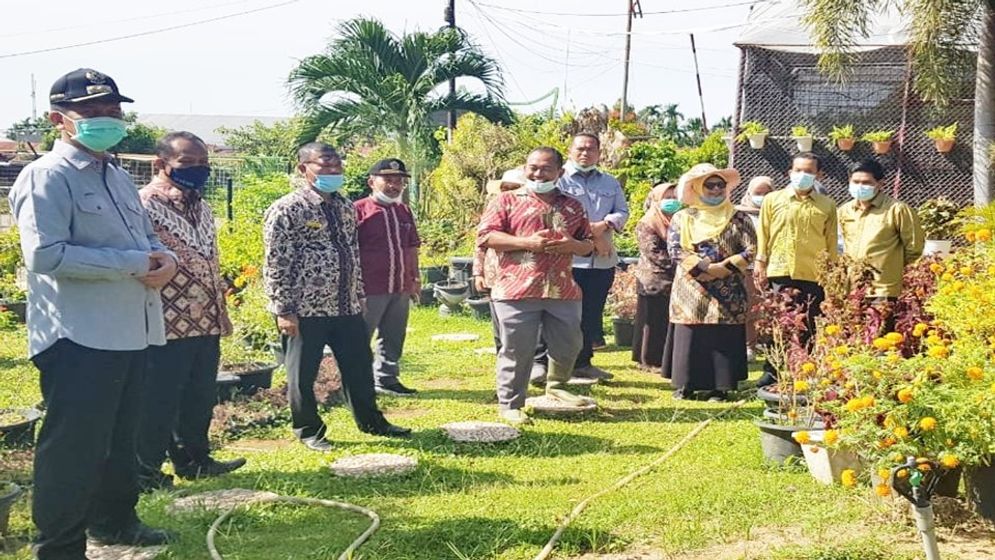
(802, 437)
(970, 236)
(905, 395)
(947, 277)
(887, 442)
(934, 340)
(949, 461)
(927, 424)
(902, 473)
(833, 330)
(975, 373)
(939, 352)
(801, 386)
(867, 401)
(895, 338)
(882, 343)
(808, 368)
(983, 234)
(898, 458)
(884, 474)
(919, 329)
(841, 350)
(240, 282)
(882, 490)
(936, 268)
(966, 271)
(893, 358)
(901, 432)
(848, 478)
(877, 374)
(830, 437)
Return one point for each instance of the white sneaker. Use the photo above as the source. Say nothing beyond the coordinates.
(515, 417)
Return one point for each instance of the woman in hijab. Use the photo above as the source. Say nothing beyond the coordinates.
(753, 198)
(711, 244)
(654, 276)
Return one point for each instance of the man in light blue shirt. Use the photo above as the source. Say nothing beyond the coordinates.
(604, 201)
(95, 268)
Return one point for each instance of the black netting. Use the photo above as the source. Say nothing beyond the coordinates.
(782, 90)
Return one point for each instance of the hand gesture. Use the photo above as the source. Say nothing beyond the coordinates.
(288, 324)
(162, 268)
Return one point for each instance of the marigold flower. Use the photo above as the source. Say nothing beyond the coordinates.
(919, 329)
(927, 424)
(833, 330)
(975, 373)
(802, 437)
(905, 395)
(830, 437)
(801, 386)
(983, 234)
(901, 432)
(902, 473)
(898, 458)
(936, 268)
(887, 442)
(966, 271)
(949, 461)
(970, 236)
(841, 350)
(947, 277)
(924, 467)
(934, 340)
(882, 343)
(808, 367)
(938, 352)
(895, 338)
(882, 490)
(884, 474)
(848, 478)
(877, 374)
(867, 401)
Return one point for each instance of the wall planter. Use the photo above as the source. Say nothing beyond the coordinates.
(944, 145)
(980, 483)
(803, 143)
(481, 307)
(9, 492)
(939, 247)
(18, 308)
(17, 427)
(845, 144)
(757, 141)
(623, 332)
(882, 147)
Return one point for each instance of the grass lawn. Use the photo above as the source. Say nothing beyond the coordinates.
(714, 499)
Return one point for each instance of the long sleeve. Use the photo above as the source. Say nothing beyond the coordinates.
(620, 210)
(832, 235)
(495, 218)
(43, 207)
(763, 232)
(354, 247)
(910, 231)
(280, 268)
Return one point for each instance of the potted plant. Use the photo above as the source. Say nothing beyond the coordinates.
(243, 369)
(481, 307)
(943, 137)
(755, 133)
(9, 492)
(17, 426)
(803, 138)
(940, 220)
(843, 136)
(621, 305)
(880, 140)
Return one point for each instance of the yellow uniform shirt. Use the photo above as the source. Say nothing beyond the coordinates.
(794, 231)
(887, 234)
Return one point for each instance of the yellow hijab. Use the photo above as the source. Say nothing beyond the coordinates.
(708, 222)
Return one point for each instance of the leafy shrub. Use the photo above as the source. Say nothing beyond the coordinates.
(10, 251)
(844, 132)
(942, 132)
(939, 218)
(878, 136)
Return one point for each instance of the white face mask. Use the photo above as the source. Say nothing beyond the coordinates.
(382, 197)
(540, 187)
(583, 168)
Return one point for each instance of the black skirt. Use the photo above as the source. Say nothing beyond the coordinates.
(649, 329)
(705, 357)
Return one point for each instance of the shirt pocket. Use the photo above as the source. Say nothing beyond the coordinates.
(92, 204)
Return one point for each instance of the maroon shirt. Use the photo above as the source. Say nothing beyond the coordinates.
(388, 247)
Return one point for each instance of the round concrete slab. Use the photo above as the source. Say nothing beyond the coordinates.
(455, 337)
(96, 551)
(582, 381)
(374, 464)
(479, 432)
(489, 351)
(553, 406)
(219, 500)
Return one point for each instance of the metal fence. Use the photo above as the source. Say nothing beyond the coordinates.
(785, 89)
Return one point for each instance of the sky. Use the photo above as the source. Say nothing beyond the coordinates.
(237, 64)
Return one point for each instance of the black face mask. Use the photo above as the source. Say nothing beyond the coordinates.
(191, 178)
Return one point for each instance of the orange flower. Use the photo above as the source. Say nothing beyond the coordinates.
(970, 236)
(905, 395)
(949, 461)
(902, 473)
(975, 373)
(882, 490)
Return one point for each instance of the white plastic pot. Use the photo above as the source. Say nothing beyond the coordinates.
(827, 465)
(939, 247)
(757, 141)
(804, 143)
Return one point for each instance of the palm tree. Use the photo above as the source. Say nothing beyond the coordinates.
(940, 30)
(373, 83)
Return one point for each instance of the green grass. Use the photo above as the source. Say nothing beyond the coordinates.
(504, 502)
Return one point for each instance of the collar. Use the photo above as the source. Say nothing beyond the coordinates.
(75, 156)
(570, 170)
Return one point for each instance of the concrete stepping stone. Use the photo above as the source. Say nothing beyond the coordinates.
(582, 381)
(374, 464)
(488, 351)
(479, 432)
(553, 406)
(456, 337)
(121, 552)
(219, 500)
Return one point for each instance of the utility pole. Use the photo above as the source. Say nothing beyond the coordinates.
(701, 97)
(450, 14)
(34, 104)
(633, 9)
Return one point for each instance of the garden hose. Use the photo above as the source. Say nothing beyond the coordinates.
(579, 508)
(346, 555)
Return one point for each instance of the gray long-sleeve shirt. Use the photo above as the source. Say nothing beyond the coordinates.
(603, 199)
(86, 241)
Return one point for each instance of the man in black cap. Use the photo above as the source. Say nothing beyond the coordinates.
(95, 267)
(388, 252)
(315, 288)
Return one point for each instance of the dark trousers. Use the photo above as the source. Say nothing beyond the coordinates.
(347, 337)
(180, 394)
(85, 467)
(809, 296)
(594, 284)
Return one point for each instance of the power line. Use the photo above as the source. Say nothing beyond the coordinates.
(677, 11)
(150, 32)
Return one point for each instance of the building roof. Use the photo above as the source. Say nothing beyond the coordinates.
(205, 126)
(778, 25)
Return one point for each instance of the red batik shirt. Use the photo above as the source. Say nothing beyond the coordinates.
(528, 275)
(388, 247)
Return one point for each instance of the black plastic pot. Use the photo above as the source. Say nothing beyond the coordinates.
(21, 433)
(625, 263)
(980, 483)
(623, 332)
(427, 295)
(461, 268)
(949, 483)
(18, 308)
(433, 274)
(227, 385)
(9, 492)
(481, 307)
(252, 377)
(773, 400)
(777, 442)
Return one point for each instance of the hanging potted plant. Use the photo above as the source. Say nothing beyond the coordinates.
(843, 136)
(880, 140)
(622, 306)
(755, 133)
(943, 137)
(803, 138)
(940, 220)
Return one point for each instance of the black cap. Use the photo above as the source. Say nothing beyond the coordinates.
(86, 84)
(390, 166)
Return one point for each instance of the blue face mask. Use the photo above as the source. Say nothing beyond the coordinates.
(758, 199)
(801, 181)
(328, 183)
(712, 200)
(192, 178)
(99, 133)
(670, 206)
(862, 192)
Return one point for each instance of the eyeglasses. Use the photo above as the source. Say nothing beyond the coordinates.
(715, 185)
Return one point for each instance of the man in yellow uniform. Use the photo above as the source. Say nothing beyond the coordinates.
(797, 226)
(883, 231)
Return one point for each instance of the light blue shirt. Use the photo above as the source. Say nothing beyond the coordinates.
(86, 240)
(603, 200)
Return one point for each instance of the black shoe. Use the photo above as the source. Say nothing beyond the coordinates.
(682, 394)
(395, 389)
(390, 430)
(207, 468)
(155, 480)
(319, 444)
(135, 534)
(718, 396)
(766, 380)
